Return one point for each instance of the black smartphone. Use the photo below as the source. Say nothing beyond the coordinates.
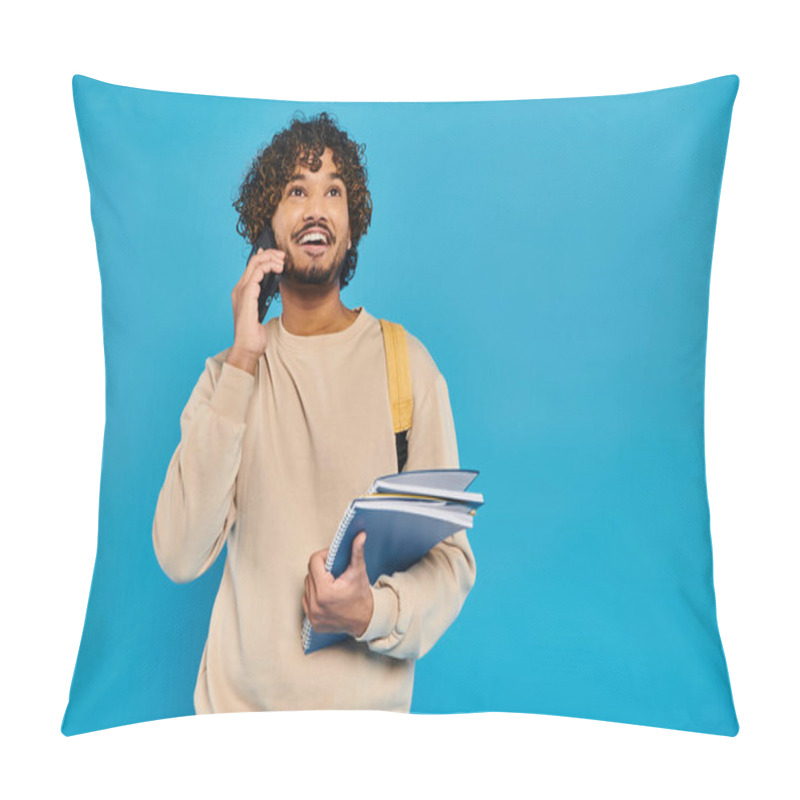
(269, 283)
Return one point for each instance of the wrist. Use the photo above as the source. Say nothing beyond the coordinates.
(385, 612)
(364, 617)
(242, 360)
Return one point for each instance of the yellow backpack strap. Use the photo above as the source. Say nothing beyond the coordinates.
(398, 371)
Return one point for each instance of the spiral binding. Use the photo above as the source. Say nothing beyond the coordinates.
(337, 540)
(334, 549)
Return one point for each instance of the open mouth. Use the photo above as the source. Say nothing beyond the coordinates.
(315, 242)
(314, 249)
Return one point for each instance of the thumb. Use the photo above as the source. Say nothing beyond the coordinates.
(357, 553)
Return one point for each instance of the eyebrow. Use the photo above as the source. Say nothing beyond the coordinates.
(301, 177)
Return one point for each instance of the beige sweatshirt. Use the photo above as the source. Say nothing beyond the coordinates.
(269, 464)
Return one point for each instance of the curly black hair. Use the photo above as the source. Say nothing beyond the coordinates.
(304, 141)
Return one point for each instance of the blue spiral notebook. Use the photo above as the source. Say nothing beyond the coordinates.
(404, 515)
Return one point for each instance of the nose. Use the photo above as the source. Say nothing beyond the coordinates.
(315, 208)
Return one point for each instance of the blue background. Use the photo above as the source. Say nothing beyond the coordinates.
(554, 256)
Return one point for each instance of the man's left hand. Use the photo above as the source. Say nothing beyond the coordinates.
(343, 604)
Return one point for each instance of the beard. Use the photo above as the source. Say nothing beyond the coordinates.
(316, 274)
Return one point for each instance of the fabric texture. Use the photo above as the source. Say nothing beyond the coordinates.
(554, 256)
(268, 463)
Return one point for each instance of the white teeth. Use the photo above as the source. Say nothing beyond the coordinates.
(314, 237)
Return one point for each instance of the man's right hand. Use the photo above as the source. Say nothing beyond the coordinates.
(250, 336)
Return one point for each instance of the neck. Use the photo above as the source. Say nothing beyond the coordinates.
(314, 310)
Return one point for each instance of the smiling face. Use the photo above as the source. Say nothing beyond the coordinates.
(311, 224)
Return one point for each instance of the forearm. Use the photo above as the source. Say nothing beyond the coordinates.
(196, 508)
(414, 608)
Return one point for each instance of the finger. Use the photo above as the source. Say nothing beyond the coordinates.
(249, 297)
(316, 564)
(357, 552)
(263, 271)
(268, 259)
(311, 594)
(252, 291)
(313, 558)
(273, 256)
(248, 269)
(260, 266)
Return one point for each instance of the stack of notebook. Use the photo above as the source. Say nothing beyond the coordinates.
(404, 515)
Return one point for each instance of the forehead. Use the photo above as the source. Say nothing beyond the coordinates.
(327, 170)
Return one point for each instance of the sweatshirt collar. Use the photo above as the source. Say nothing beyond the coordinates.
(322, 340)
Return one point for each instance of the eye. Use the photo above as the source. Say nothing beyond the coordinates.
(295, 189)
(337, 190)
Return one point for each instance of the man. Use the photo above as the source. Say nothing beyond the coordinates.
(281, 432)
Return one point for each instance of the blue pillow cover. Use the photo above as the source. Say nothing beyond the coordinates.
(554, 256)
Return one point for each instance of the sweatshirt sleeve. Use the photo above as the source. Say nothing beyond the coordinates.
(413, 608)
(196, 509)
